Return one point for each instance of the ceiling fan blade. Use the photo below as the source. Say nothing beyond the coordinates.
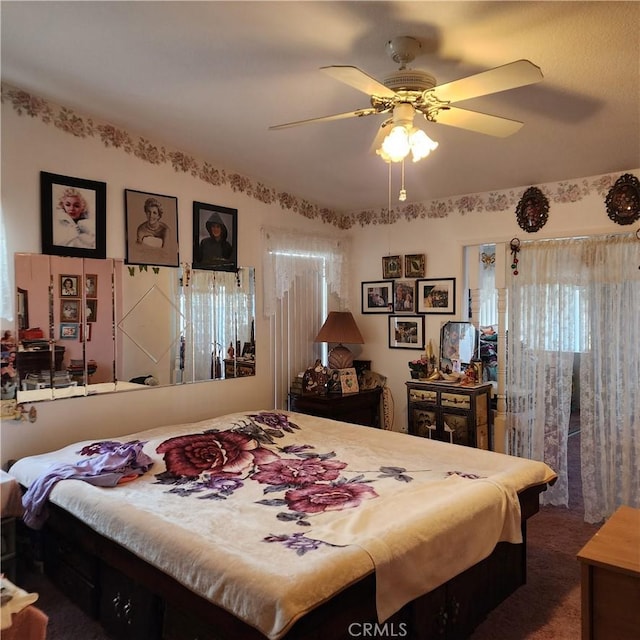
(508, 76)
(479, 122)
(358, 113)
(358, 79)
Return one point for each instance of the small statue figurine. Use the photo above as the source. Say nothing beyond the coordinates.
(230, 351)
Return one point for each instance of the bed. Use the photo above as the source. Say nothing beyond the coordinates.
(282, 525)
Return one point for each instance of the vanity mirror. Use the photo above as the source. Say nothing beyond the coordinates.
(458, 345)
(96, 326)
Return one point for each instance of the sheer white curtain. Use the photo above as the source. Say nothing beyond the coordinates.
(577, 296)
(610, 378)
(300, 272)
(218, 311)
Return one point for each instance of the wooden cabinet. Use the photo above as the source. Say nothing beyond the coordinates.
(239, 367)
(357, 408)
(450, 412)
(611, 579)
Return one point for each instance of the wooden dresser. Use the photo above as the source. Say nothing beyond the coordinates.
(611, 579)
(358, 408)
(450, 412)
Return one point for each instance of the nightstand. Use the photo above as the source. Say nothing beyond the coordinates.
(358, 408)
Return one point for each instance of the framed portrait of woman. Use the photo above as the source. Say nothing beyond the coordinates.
(215, 237)
(151, 222)
(73, 216)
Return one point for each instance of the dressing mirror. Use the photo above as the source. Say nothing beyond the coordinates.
(458, 345)
(88, 326)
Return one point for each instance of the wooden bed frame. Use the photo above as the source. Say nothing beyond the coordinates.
(134, 600)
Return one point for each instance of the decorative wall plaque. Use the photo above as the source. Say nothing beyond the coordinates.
(623, 200)
(532, 211)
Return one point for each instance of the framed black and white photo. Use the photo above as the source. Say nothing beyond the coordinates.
(91, 285)
(70, 310)
(406, 332)
(69, 286)
(151, 222)
(436, 295)
(377, 296)
(215, 237)
(73, 216)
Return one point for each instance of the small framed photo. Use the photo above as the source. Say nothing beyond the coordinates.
(391, 267)
(404, 296)
(415, 265)
(73, 216)
(215, 237)
(91, 285)
(91, 311)
(151, 222)
(436, 295)
(349, 380)
(377, 296)
(69, 286)
(70, 310)
(69, 331)
(406, 332)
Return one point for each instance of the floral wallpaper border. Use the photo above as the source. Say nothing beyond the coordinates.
(82, 126)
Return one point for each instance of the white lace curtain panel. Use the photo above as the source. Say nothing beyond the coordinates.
(299, 273)
(578, 296)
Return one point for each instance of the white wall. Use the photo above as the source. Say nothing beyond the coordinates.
(443, 241)
(30, 146)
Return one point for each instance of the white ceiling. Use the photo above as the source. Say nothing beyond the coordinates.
(209, 78)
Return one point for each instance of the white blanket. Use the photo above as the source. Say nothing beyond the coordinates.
(255, 535)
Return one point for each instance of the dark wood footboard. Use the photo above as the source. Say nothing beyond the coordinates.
(134, 600)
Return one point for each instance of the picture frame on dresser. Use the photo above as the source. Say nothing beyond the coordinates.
(377, 296)
(436, 296)
(73, 216)
(151, 228)
(406, 332)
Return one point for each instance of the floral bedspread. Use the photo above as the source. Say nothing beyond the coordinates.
(268, 514)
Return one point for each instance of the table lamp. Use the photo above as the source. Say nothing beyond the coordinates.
(340, 327)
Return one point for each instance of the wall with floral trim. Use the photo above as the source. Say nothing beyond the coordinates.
(41, 136)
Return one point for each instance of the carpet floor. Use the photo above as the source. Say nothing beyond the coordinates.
(546, 608)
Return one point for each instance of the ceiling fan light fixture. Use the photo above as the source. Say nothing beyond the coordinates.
(403, 140)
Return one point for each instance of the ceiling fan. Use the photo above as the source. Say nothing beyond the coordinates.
(409, 91)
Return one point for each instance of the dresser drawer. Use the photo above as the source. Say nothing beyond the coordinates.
(457, 400)
(422, 395)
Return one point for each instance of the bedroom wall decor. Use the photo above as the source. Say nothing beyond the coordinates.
(392, 267)
(623, 200)
(404, 296)
(406, 332)
(415, 265)
(377, 296)
(151, 228)
(73, 216)
(436, 295)
(215, 237)
(532, 211)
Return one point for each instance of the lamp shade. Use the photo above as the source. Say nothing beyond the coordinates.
(340, 327)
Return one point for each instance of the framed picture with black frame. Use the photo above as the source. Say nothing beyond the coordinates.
(151, 222)
(73, 216)
(406, 332)
(215, 237)
(377, 296)
(436, 295)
